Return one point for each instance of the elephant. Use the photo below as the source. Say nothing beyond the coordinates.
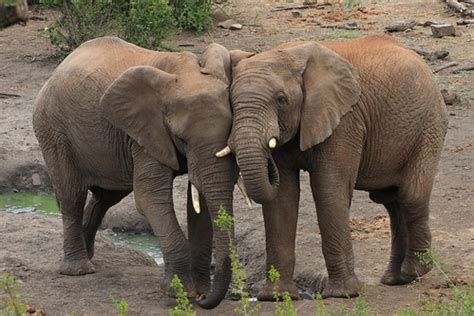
(360, 114)
(116, 118)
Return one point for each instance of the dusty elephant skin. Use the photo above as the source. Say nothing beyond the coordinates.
(362, 114)
(115, 118)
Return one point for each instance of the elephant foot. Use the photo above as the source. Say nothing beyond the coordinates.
(392, 278)
(350, 287)
(267, 293)
(76, 267)
(412, 268)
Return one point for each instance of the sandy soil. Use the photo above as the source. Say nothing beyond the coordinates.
(31, 244)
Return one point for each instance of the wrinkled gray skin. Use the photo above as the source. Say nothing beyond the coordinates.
(362, 114)
(114, 118)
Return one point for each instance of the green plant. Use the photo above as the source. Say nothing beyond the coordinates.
(51, 3)
(121, 306)
(142, 22)
(183, 307)
(360, 305)
(320, 305)
(430, 259)
(193, 15)
(225, 222)
(350, 4)
(11, 288)
(148, 22)
(284, 308)
(80, 21)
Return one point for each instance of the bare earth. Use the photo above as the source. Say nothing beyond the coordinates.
(31, 244)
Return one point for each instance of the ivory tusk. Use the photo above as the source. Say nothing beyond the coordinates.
(272, 143)
(195, 198)
(240, 184)
(224, 152)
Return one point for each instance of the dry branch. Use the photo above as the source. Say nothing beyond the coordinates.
(8, 95)
(438, 54)
(449, 65)
(298, 7)
(465, 68)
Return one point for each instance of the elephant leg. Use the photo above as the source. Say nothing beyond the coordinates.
(280, 216)
(95, 211)
(71, 195)
(200, 242)
(414, 197)
(153, 189)
(332, 188)
(389, 198)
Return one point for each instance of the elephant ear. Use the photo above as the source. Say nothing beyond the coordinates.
(237, 55)
(331, 87)
(134, 103)
(216, 60)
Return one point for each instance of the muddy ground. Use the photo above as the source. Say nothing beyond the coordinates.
(31, 244)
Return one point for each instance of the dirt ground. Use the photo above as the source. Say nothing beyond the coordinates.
(31, 244)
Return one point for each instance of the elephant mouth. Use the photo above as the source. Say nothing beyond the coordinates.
(273, 175)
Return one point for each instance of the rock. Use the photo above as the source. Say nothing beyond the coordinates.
(428, 23)
(30, 308)
(438, 54)
(235, 27)
(227, 23)
(400, 26)
(465, 21)
(296, 14)
(124, 217)
(440, 30)
(450, 98)
(36, 179)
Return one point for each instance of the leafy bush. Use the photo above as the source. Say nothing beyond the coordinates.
(149, 22)
(142, 22)
(80, 21)
(193, 15)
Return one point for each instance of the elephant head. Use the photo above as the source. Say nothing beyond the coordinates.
(179, 106)
(298, 90)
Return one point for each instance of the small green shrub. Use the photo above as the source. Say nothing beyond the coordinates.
(142, 22)
(193, 15)
(320, 305)
(148, 22)
(121, 306)
(80, 21)
(11, 288)
(183, 307)
(225, 222)
(284, 308)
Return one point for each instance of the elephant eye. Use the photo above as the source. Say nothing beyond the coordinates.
(282, 99)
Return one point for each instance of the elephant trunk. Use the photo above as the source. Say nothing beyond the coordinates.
(218, 189)
(256, 164)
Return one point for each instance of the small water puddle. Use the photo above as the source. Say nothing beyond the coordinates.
(19, 203)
